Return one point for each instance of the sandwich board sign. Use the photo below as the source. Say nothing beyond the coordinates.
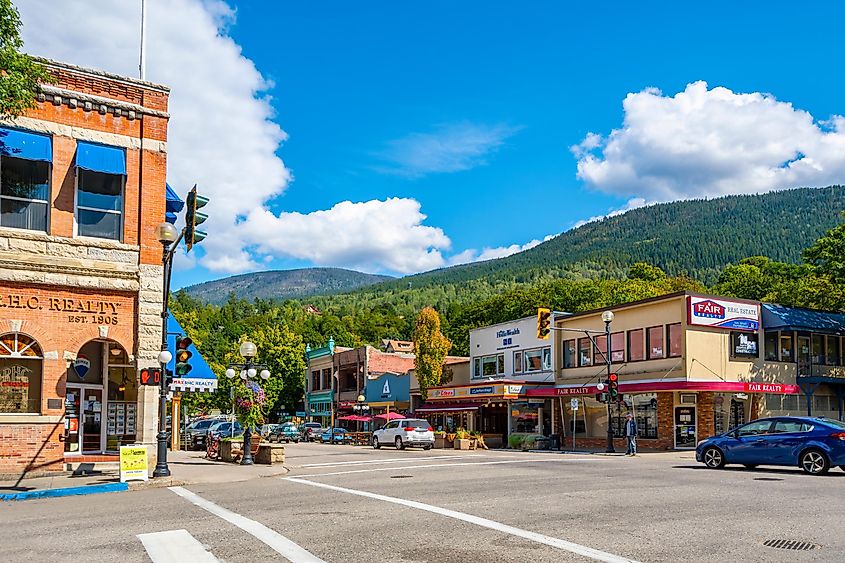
(133, 464)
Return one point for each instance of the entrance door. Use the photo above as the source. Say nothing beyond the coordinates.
(84, 412)
(685, 429)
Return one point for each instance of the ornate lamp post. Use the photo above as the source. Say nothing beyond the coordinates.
(607, 317)
(248, 371)
(169, 238)
(361, 407)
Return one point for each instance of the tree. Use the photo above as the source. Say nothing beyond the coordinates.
(20, 74)
(430, 348)
(283, 352)
(827, 254)
(646, 272)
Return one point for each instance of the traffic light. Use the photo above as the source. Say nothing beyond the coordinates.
(150, 376)
(193, 219)
(544, 323)
(183, 355)
(613, 387)
(601, 397)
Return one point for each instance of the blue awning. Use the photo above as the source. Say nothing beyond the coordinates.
(200, 378)
(779, 317)
(22, 144)
(173, 204)
(100, 158)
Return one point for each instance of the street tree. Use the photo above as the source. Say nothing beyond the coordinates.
(430, 348)
(20, 74)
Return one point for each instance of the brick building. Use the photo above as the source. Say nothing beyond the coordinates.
(82, 189)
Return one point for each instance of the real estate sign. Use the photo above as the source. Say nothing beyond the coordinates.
(723, 313)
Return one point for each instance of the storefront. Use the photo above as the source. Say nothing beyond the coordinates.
(319, 407)
(388, 392)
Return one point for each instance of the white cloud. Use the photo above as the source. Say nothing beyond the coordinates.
(491, 253)
(221, 133)
(371, 236)
(632, 203)
(708, 143)
(450, 148)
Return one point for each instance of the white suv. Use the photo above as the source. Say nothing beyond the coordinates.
(406, 432)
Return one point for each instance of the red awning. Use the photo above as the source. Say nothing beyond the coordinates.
(650, 386)
(458, 407)
(389, 416)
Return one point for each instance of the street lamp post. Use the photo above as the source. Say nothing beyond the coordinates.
(361, 407)
(169, 238)
(607, 317)
(248, 370)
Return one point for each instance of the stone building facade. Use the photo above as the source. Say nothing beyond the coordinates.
(82, 189)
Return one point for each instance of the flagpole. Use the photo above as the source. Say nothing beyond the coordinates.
(142, 64)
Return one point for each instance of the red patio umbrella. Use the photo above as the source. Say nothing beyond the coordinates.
(389, 416)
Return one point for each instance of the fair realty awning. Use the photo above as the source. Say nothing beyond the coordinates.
(26, 145)
(200, 378)
(100, 158)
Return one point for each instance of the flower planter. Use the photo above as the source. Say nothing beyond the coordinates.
(439, 442)
(464, 444)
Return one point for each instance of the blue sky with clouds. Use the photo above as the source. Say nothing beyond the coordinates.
(397, 137)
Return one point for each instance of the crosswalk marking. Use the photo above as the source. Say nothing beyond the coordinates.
(282, 545)
(175, 546)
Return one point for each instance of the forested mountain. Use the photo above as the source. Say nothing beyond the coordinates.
(283, 284)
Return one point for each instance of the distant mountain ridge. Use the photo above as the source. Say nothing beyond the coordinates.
(284, 284)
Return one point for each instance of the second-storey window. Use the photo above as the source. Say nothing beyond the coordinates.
(99, 205)
(24, 179)
(569, 354)
(674, 336)
(617, 347)
(585, 356)
(654, 342)
(636, 345)
(539, 359)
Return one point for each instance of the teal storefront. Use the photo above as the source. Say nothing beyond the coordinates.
(319, 407)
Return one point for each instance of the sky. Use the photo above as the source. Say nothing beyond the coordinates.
(399, 137)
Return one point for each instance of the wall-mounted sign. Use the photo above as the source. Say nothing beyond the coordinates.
(744, 345)
(385, 391)
(481, 390)
(723, 313)
(81, 365)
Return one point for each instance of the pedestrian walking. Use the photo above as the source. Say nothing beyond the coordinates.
(631, 434)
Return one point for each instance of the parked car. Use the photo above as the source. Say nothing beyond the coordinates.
(311, 431)
(196, 431)
(336, 435)
(224, 429)
(404, 433)
(813, 444)
(288, 432)
(267, 429)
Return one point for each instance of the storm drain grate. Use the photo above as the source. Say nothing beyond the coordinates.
(794, 545)
(401, 476)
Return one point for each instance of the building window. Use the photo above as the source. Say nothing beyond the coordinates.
(99, 205)
(585, 356)
(617, 347)
(539, 359)
(547, 359)
(517, 362)
(20, 374)
(771, 346)
(654, 342)
(644, 409)
(786, 350)
(315, 380)
(569, 354)
(24, 193)
(833, 357)
(674, 332)
(819, 358)
(600, 351)
(636, 345)
(487, 366)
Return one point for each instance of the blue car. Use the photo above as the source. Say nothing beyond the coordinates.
(340, 436)
(813, 444)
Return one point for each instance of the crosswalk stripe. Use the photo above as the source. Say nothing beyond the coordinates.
(282, 545)
(175, 546)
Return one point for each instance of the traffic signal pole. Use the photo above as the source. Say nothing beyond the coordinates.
(610, 448)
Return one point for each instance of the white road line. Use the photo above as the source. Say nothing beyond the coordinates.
(405, 467)
(389, 460)
(175, 546)
(484, 522)
(282, 545)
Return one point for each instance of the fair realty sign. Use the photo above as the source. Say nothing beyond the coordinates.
(723, 313)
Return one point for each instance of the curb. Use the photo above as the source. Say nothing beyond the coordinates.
(66, 492)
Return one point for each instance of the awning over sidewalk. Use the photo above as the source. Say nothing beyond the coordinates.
(457, 407)
(651, 386)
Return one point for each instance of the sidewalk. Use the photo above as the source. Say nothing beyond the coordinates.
(186, 468)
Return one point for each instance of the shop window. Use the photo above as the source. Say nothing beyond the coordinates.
(569, 355)
(654, 342)
(517, 362)
(636, 345)
(819, 357)
(585, 356)
(643, 407)
(24, 193)
(21, 364)
(99, 205)
(525, 417)
(786, 348)
(771, 346)
(674, 335)
(617, 347)
(833, 355)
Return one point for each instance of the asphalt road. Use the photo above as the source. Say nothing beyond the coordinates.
(344, 503)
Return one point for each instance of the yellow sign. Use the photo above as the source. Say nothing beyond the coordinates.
(133, 463)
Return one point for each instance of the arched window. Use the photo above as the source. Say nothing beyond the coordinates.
(20, 374)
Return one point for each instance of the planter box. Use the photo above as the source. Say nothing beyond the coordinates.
(464, 444)
(268, 454)
(439, 442)
(226, 453)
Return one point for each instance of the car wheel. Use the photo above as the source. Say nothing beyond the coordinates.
(814, 462)
(426, 447)
(399, 444)
(713, 458)
(376, 445)
(750, 466)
